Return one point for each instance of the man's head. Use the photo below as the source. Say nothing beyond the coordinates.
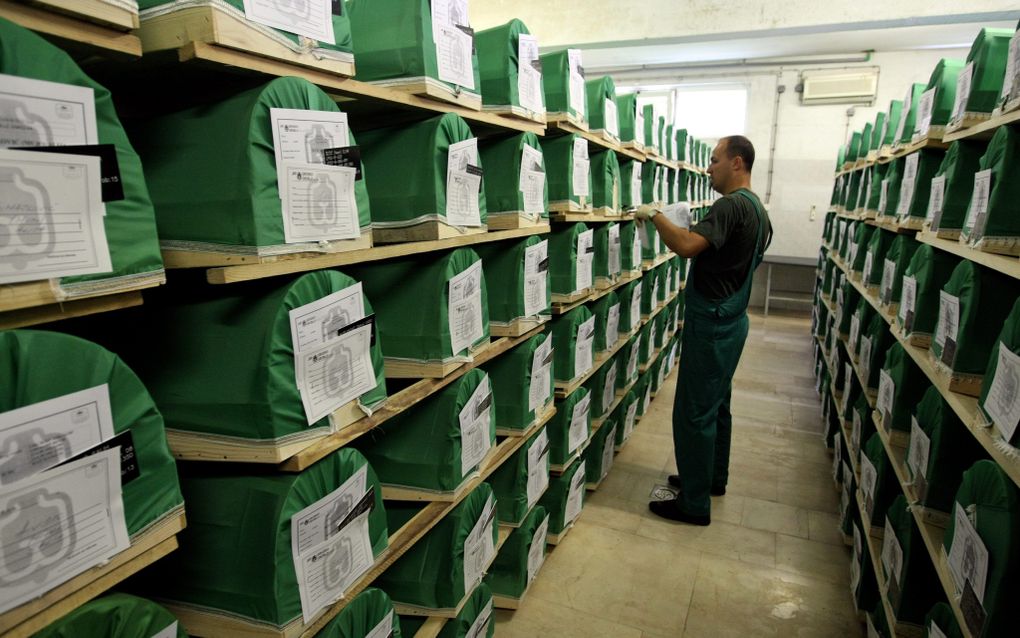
(731, 163)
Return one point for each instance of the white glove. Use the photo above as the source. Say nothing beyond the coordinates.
(646, 212)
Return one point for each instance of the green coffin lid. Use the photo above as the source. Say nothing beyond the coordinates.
(237, 512)
(911, 384)
(114, 616)
(393, 40)
(130, 223)
(409, 164)
(862, 237)
(986, 299)
(878, 173)
(988, 54)
(605, 177)
(422, 447)
(556, 83)
(931, 269)
(853, 150)
(510, 374)
(502, 161)
(422, 284)
(942, 616)
(431, 573)
(943, 80)
(597, 457)
(597, 91)
(887, 486)
(892, 121)
(504, 269)
(608, 260)
(510, 480)
(477, 609)
(559, 427)
(918, 585)
(602, 387)
(564, 332)
(630, 313)
(881, 340)
(878, 246)
(497, 49)
(368, 610)
(224, 153)
(627, 109)
(961, 161)
(1001, 221)
(650, 125)
(951, 450)
(28, 360)
(509, 573)
(630, 196)
(908, 115)
(1009, 337)
(898, 258)
(605, 335)
(563, 257)
(224, 362)
(990, 499)
(877, 128)
(558, 154)
(555, 498)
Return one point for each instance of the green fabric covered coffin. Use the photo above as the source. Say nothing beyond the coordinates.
(973, 304)
(475, 620)
(860, 205)
(574, 334)
(226, 362)
(992, 222)
(568, 171)
(643, 391)
(853, 149)
(522, 383)
(565, 497)
(862, 426)
(424, 172)
(648, 111)
(602, 387)
(943, 83)
(984, 72)
(890, 197)
(563, 81)
(572, 259)
(895, 265)
(682, 144)
(848, 512)
(879, 485)
(914, 190)
(605, 177)
(630, 305)
(630, 363)
(646, 338)
(632, 125)
(892, 122)
(660, 135)
(878, 247)
(601, 96)
(522, 479)
(368, 614)
(986, 518)
(878, 175)
(941, 449)
(849, 197)
(116, 616)
(236, 512)
(901, 385)
(570, 428)
(598, 456)
(439, 443)
(650, 182)
(954, 181)
(669, 139)
(650, 292)
(997, 397)
(941, 619)
(451, 301)
(607, 321)
(920, 291)
(608, 260)
(94, 375)
(129, 224)
(863, 584)
(860, 319)
(908, 115)
(630, 183)
(449, 561)
(396, 41)
(913, 586)
(521, 556)
(847, 298)
(506, 68)
(630, 247)
(625, 416)
(877, 130)
(859, 246)
(515, 182)
(245, 160)
(517, 279)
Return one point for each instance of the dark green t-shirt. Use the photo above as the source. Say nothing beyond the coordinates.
(730, 227)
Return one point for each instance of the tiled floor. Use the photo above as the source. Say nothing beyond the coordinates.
(771, 563)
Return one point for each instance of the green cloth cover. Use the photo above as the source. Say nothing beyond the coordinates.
(853, 149)
(605, 177)
(896, 260)
(497, 49)
(878, 246)
(113, 616)
(928, 163)
(892, 119)
(602, 387)
(510, 375)
(988, 53)
(911, 384)
(878, 173)
(510, 480)
(962, 160)
(555, 498)
(943, 80)
(877, 128)
(918, 586)
(564, 258)
(509, 573)
(478, 603)
(1001, 220)
(886, 486)
(502, 160)
(366, 611)
(556, 83)
(603, 309)
(909, 114)
(506, 278)
(1009, 338)
(559, 426)
(597, 91)
(558, 154)
(648, 111)
(627, 109)
(930, 269)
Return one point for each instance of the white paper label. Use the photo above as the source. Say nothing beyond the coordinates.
(463, 185)
(301, 136)
(968, 556)
(59, 523)
(865, 358)
(465, 308)
(40, 113)
(855, 434)
(608, 451)
(639, 130)
(978, 209)
(963, 82)
(901, 126)
(332, 367)
(883, 198)
(453, 45)
(934, 631)
(888, 277)
(635, 184)
(917, 453)
(584, 260)
(480, 627)
(608, 388)
(635, 255)
(580, 175)
(949, 318)
(575, 496)
(39, 436)
(612, 325)
(536, 278)
(51, 215)
(630, 420)
(538, 467)
(384, 629)
(907, 186)
(321, 520)
(1009, 81)
(584, 348)
(632, 361)
(310, 18)
(646, 400)
(614, 250)
(635, 304)
(541, 369)
(529, 79)
(855, 561)
(869, 478)
(936, 201)
(925, 108)
(319, 203)
(536, 551)
(475, 427)
(1003, 401)
(578, 95)
(848, 376)
(869, 260)
(855, 329)
(578, 432)
(908, 295)
(886, 393)
(479, 547)
(892, 554)
(612, 118)
(170, 631)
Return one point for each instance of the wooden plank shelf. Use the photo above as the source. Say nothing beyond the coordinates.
(35, 302)
(548, 412)
(1006, 265)
(517, 327)
(983, 130)
(589, 217)
(514, 220)
(89, 24)
(518, 112)
(407, 369)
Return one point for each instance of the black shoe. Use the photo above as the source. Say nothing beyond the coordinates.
(671, 509)
(674, 480)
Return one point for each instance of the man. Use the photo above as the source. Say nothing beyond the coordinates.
(726, 247)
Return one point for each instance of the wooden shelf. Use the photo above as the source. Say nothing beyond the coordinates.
(518, 327)
(983, 130)
(895, 225)
(589, 218)
(595, 294)
(89, 25)
(227, 269)
(1006, 265)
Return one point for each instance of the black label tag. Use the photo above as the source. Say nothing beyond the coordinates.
(470, 32)
(483, 405)
(129, 470)
(548, 359)
(537, 64)
(338, 7)
(908, 322)
(949, 352)
(590, 250)
(543, 266)
(368, 320)
(973, 612)
(366, 504)
(109, 167)
(580, 70)
(476, 170)
(344, 156)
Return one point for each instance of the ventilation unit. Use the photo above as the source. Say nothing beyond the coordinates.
(848, 86)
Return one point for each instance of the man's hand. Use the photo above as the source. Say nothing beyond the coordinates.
(646, 212)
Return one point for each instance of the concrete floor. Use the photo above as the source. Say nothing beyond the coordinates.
(771, 563)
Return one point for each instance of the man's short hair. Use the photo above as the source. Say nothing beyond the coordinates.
(740, 146)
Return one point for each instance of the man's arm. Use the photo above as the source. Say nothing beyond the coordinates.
(680, 240)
